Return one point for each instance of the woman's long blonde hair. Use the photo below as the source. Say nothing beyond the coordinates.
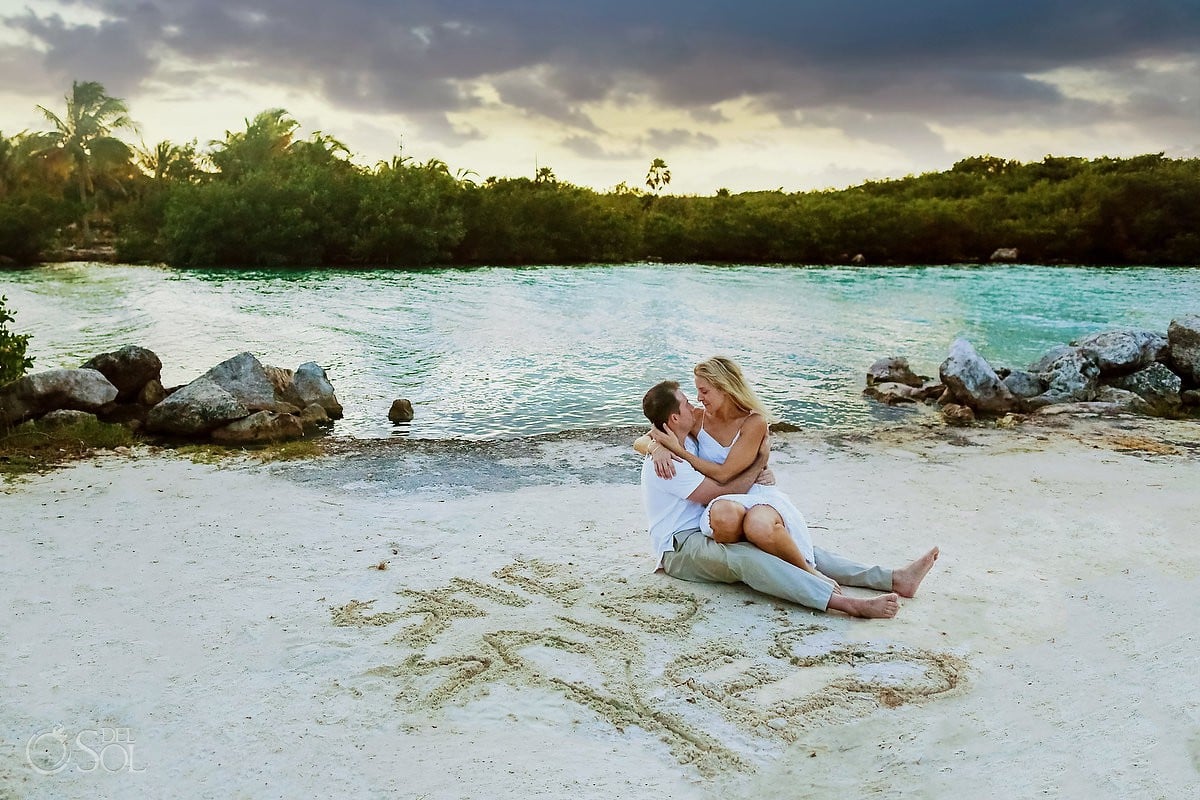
(722, 373)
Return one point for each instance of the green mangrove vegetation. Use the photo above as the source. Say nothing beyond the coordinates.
(264, 196)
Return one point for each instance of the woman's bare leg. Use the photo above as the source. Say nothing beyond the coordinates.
(726, 516)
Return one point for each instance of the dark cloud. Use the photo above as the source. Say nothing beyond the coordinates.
(944, 60)
(657, 139)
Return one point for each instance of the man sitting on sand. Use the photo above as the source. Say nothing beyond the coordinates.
(675, 505)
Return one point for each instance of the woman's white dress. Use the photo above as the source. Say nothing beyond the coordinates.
(710, 449)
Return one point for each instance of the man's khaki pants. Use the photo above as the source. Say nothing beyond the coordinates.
(698, 558)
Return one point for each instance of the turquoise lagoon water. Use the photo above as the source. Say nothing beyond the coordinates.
(502, 353)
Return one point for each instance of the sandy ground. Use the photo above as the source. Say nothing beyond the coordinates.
(174, 629)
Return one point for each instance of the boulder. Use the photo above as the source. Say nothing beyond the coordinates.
(893, 370)
(261, 426)
(1024, 384)
(1155, 384)
(245, 378)
(283, 382)
(1005, 254)
(196, 409)
(35, 395)
(891, 392)
(1048, 358)
(1183, 342)
(65, 417)
(401, 411)
(313, 415)
(1122, 352)
(1071, 378)
(1123, 398)
(971, 380)
(129, 369)
(313, 386)
(151, 394)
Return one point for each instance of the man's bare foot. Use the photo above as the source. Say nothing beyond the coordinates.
(884, 606)
(906, 579)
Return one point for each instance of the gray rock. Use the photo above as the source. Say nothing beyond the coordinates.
(313, 386)
(65, 417)
(245, 378)
(261, 426)
(972, 381)
(196, 409)
(1123, 398)
(1048, 358)
(313, 415)
(890, 392)
(1183, 341)
(37, 394)
(1090, 407)
(151, 394)
(283, 382)
(401, 411)
(1121, 352)
(1005, 254)
(1155, 384)
(1072, 378)
(893, 370)
(1024, 384)
(129, 369)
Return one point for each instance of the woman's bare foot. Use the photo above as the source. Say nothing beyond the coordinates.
(906, 579)
(884, 606)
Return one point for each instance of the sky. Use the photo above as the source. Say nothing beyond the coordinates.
(744, 95)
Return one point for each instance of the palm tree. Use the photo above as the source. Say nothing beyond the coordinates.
(268, 136)
(167, 161)
(658, 176)
(83, 137)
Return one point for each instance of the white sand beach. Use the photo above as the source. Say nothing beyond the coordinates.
(174, 629)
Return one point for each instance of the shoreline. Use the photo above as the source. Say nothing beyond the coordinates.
(232, 619)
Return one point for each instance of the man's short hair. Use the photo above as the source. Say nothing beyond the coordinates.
(661, 402)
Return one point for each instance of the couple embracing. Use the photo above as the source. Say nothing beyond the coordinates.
(715, 514)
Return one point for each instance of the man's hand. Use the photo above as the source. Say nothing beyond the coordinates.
(766, 477)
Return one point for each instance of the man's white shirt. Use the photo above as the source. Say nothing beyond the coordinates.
(667, 508)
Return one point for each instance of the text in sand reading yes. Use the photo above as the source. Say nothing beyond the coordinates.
(640, 656)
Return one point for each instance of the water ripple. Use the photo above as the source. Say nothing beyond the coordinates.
(498, 353)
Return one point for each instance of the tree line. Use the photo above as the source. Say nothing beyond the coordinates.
(265, 197)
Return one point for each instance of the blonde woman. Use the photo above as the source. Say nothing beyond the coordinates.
(728, 430)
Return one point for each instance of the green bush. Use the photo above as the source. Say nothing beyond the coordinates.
(13, 361)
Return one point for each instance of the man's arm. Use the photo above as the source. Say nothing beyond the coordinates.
(708, 490)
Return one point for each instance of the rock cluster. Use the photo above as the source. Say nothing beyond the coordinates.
(240, 400)
(1136, 371)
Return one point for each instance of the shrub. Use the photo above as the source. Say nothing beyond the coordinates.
(13, 361)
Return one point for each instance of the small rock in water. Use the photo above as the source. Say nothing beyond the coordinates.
(401, 411)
